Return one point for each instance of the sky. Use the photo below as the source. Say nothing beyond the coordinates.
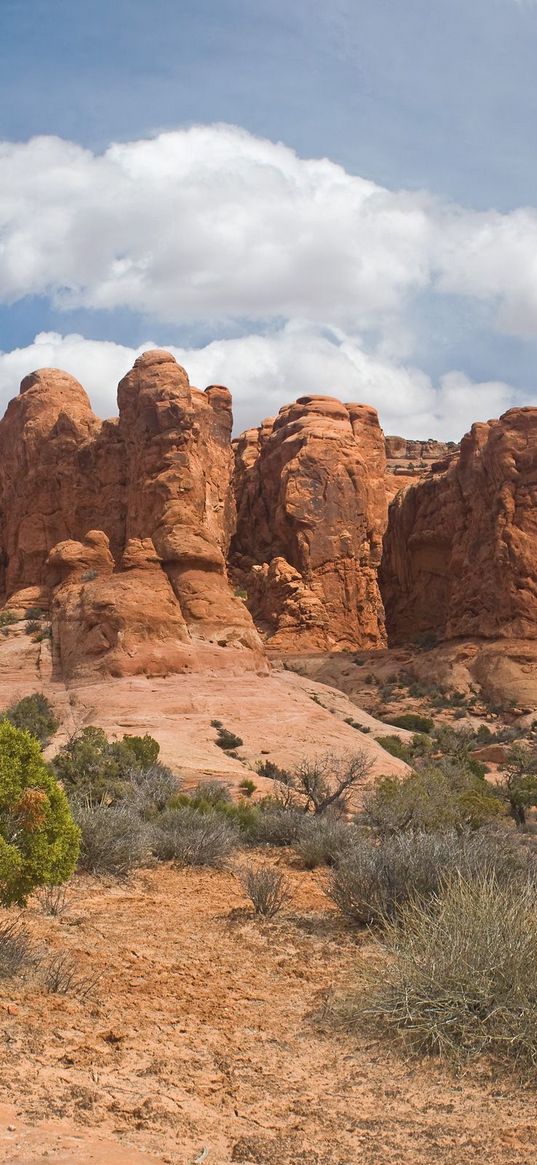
(292, 198)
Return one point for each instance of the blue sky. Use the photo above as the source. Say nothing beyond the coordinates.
(435, 98)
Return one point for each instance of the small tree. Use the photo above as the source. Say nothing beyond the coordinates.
(39, 841)
(92, 766)
(87, 768)
(519, 785)
(325, 782)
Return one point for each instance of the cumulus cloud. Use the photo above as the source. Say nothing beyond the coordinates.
(267, 371)
(318, 269)
(209, 222)
(214, 223)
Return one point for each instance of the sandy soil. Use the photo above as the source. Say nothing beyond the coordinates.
(208, 1030)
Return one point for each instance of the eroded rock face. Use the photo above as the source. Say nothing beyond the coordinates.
(122, 527)
(408, 461)
(42, 434)
(311, 514)
(460, 555)
(179, 466)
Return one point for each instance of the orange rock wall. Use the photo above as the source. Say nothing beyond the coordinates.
(311, 504)
(460, 551)
(122, 527)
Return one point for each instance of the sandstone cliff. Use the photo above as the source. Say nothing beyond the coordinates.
(311, 504)
(460, 549)
(122, 527)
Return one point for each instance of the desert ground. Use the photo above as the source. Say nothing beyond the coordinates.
(206, 1034)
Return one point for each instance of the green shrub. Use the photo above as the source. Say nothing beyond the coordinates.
(268, 889)
(227, 740)
(273, 772)
(87, 767)
(356, 724)
(430, 799)
(407, 750)
(33, 613)
(241, 814)
(413, 721)
(135, 751)
(92, 766)
(459, 977)
(372, 880)
(193, 838)
(396, 747)
(7, 618)
(114, 839)
(247, 786)
(39, 841)
(32, 627)
(34, 714)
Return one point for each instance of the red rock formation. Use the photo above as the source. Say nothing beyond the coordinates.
(311, 514)
(41, 434)
(122, 526)
(179, 465)
(460, 550)
(128, 619)
(408, 461)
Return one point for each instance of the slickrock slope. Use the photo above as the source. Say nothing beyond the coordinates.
(121, 527)
(279, 716)
(311, 506)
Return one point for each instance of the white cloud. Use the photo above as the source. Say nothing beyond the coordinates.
(267, 371)
(492, 256)
(213, 223)
(209, 222)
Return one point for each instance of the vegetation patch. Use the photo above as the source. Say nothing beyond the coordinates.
(267, 888)
(459, 977)
(39, 841)
(413, 722)
(34, 714)
(373, 878)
